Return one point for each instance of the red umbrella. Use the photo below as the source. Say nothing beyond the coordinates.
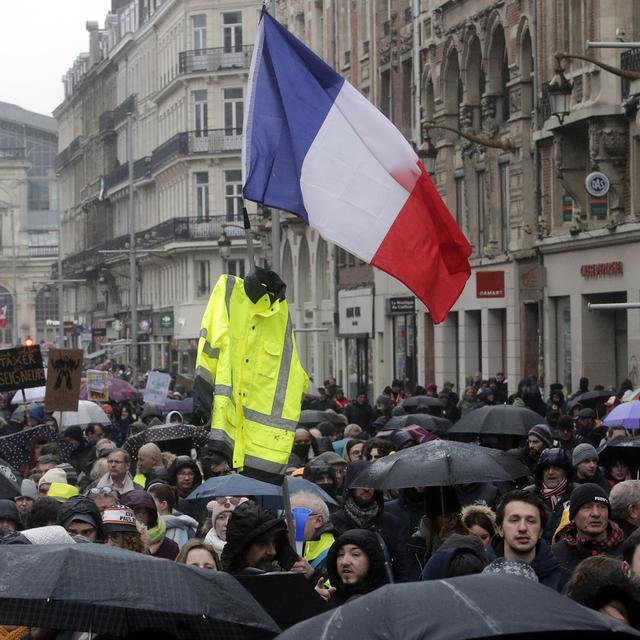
(119, 390)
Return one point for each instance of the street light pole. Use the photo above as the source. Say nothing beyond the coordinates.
(14, 274)
(60, 285)
(133, 284)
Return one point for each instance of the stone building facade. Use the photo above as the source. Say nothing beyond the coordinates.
(28, 226)
(179, 67)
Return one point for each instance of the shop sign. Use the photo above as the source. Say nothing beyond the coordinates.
(601, 269)
(355, 311)
(166, 320)
(597, 184)
(490, 284)
(401, 305)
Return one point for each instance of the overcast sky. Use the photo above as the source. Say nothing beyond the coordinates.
(39, 40)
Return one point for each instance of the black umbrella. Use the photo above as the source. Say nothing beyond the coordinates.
(625, 449)
(472, 607)
(415, 404)
(9, 481)
(91, 587)
(590, 397)
(440, 463)
(166, 436)
(432, 423)
(498, 419)
(313, 417)
(16, 447)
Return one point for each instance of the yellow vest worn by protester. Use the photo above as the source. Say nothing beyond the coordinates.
(249, 377)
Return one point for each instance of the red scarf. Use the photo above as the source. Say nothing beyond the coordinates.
(552, 496)
(587, 547)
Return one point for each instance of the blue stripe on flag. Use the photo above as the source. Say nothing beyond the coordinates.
(290, 94)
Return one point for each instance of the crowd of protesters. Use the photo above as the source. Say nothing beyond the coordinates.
(570, 524)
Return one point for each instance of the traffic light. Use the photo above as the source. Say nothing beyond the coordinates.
(28, 341)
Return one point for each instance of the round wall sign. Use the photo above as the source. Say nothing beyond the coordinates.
(597, 184)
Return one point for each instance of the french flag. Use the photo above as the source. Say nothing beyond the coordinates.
(314, 146)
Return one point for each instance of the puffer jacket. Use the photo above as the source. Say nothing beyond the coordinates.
(180, 528)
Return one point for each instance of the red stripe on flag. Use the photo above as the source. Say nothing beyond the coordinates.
(425, 250)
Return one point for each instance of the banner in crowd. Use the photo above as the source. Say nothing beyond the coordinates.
(97, 385)
(21, 368)
(63, 379)
(157, 388)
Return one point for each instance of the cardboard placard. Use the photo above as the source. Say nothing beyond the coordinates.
(157, 388)
(63, 379)
(185, 381)
(21, 368)
(97, 385)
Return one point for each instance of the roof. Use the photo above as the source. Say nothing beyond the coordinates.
(14, 113)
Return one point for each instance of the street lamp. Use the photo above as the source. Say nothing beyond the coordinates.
(504, 143)
(224, 244)
(559, 91)
(428, 153)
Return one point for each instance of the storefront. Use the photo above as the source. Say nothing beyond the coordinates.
(402, 311)
(600, 344)
(355, 310)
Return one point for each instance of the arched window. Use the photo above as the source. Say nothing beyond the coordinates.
(46, 305)
(429, 100)
(474, 82)
(304, 272)
(287, 272)
(323, 271)
(452, 85)
(526, 72)
(6, 316)
(499, 75)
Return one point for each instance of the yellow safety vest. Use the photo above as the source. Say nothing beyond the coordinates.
(248, 372)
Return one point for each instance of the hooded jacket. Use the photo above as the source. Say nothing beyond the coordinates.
(180, 528)
(180, 463)
(79, 506)
(549, 571)
(385, 524)
(376, 577)
(249, 523)
(439, 564)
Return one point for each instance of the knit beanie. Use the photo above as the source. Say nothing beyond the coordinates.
(583, 452)
(53, 475)
(543, 433)
(72, 474)
(585, 493)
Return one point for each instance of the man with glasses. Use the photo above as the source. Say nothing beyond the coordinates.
(117, 476)
(318, 531)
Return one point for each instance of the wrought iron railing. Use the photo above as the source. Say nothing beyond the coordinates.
(128, 105)
(11, 153)
(218, 59)
(630, 61)
(66, 155)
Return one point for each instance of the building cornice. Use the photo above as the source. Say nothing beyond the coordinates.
(623, 234)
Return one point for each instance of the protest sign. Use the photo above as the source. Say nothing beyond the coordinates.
(21, 368)
(63, 379)
(157, 388)
(97, 386)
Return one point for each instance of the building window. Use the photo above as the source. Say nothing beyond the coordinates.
(199, 25)
(480, 212)
(203, 277)
(233, 111)
(505, 213)
(407, 101)
(202, 195)
(236, 267)
(201, 112)
(233, 195)
(46, 305)
(232, 31)
(404, 349)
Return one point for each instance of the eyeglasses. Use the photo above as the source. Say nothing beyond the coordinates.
(234, 500)
(103, 491)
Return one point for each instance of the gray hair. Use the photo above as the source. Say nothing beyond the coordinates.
(153, 450)
(100, 467)
(310, 501)
(352, 430)
(622, 496)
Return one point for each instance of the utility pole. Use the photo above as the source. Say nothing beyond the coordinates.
(133, 280)
(60, 285)
(14, 276)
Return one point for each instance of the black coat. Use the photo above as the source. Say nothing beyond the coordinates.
(390, 529)
(570, 558)
(555, 516)
(360, 414)
(545, 564)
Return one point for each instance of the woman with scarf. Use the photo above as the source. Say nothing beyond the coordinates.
(553, 484)
(146, 513)
(221, 509)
